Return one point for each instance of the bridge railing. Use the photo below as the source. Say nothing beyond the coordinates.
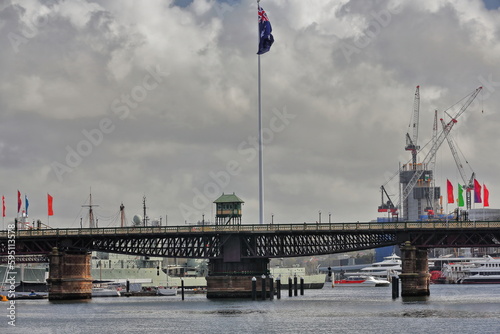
(271, 228)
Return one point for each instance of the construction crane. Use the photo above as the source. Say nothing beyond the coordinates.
(387, 206)
(437, 143)
(411, 142)
(468, 183)
(432, 163)
(411, 145)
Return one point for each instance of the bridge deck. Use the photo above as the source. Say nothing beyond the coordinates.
(271, 228)
(252, 241)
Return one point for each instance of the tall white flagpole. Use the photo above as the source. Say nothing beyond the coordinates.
(261, 162)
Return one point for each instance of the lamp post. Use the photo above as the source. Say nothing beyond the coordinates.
(272, 218)
(329, 217)
(319, 212)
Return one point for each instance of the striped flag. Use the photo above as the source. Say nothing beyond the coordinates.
(477, 192)
(26, 204)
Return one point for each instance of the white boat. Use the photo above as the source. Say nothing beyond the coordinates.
(487, 271)
(105, 292)
(390, 266)
(369, 281)
(161, 291)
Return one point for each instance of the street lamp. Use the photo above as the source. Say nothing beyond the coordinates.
(329, 217)
(272, 218)
(319, 216)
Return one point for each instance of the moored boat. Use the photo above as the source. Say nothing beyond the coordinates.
(105, 292)
(163, 291)
(486, 272)
(369, 281)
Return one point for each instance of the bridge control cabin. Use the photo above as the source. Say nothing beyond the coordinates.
(228, 210)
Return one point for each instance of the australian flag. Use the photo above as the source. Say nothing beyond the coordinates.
(266, 39)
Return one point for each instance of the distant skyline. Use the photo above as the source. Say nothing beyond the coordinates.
(160, 100)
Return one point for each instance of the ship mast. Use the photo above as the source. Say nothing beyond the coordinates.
(92, 223)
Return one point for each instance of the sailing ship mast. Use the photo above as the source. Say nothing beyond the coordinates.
(92, 222)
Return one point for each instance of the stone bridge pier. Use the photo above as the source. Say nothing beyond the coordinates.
(69, 275)
(231, 276)
(415, 277)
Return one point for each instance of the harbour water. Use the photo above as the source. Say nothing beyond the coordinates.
(449, 309)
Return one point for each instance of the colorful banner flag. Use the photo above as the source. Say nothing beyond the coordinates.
(19, 201)
(266, 39)
(26, 204)
(486, 196)
(50, 211)
(3, 206)
(477, 192)
(460, 195)
(449, 188)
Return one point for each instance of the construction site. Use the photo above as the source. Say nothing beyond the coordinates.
(417, 197)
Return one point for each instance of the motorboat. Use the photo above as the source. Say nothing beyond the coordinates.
(105, 292)
(361, 281)
(164, 291)
(487, 271)
(390, 266)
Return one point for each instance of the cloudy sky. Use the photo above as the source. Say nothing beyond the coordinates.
(159, 99)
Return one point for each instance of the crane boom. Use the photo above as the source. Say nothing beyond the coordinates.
(455, 155)
(411, 142)
(436, 144)
(468, 183)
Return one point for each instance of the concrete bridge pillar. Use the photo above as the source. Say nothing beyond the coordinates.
(415, 277)
(69, 275)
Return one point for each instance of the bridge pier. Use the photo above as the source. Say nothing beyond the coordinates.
(234, 279)
(69, 275)
(415, 277)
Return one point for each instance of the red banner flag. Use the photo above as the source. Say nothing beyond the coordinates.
(486, 196)
(449, 188)
(50, 212)
(3, 206)
(19, 201)
(477, 192)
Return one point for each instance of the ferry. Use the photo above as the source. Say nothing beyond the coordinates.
(486, 272)
(389, 267)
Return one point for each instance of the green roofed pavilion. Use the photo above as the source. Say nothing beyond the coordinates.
(228, 209)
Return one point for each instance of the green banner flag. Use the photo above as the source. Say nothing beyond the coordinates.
(460, 195)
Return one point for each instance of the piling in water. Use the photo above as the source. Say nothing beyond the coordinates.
(395, 287)
(254, 288)
(271, 288)
(182, 288)
(263, 287)
(278, 287)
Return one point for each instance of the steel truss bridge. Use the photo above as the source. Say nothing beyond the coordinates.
(252, 241)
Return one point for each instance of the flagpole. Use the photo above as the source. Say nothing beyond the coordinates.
(261, 162)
